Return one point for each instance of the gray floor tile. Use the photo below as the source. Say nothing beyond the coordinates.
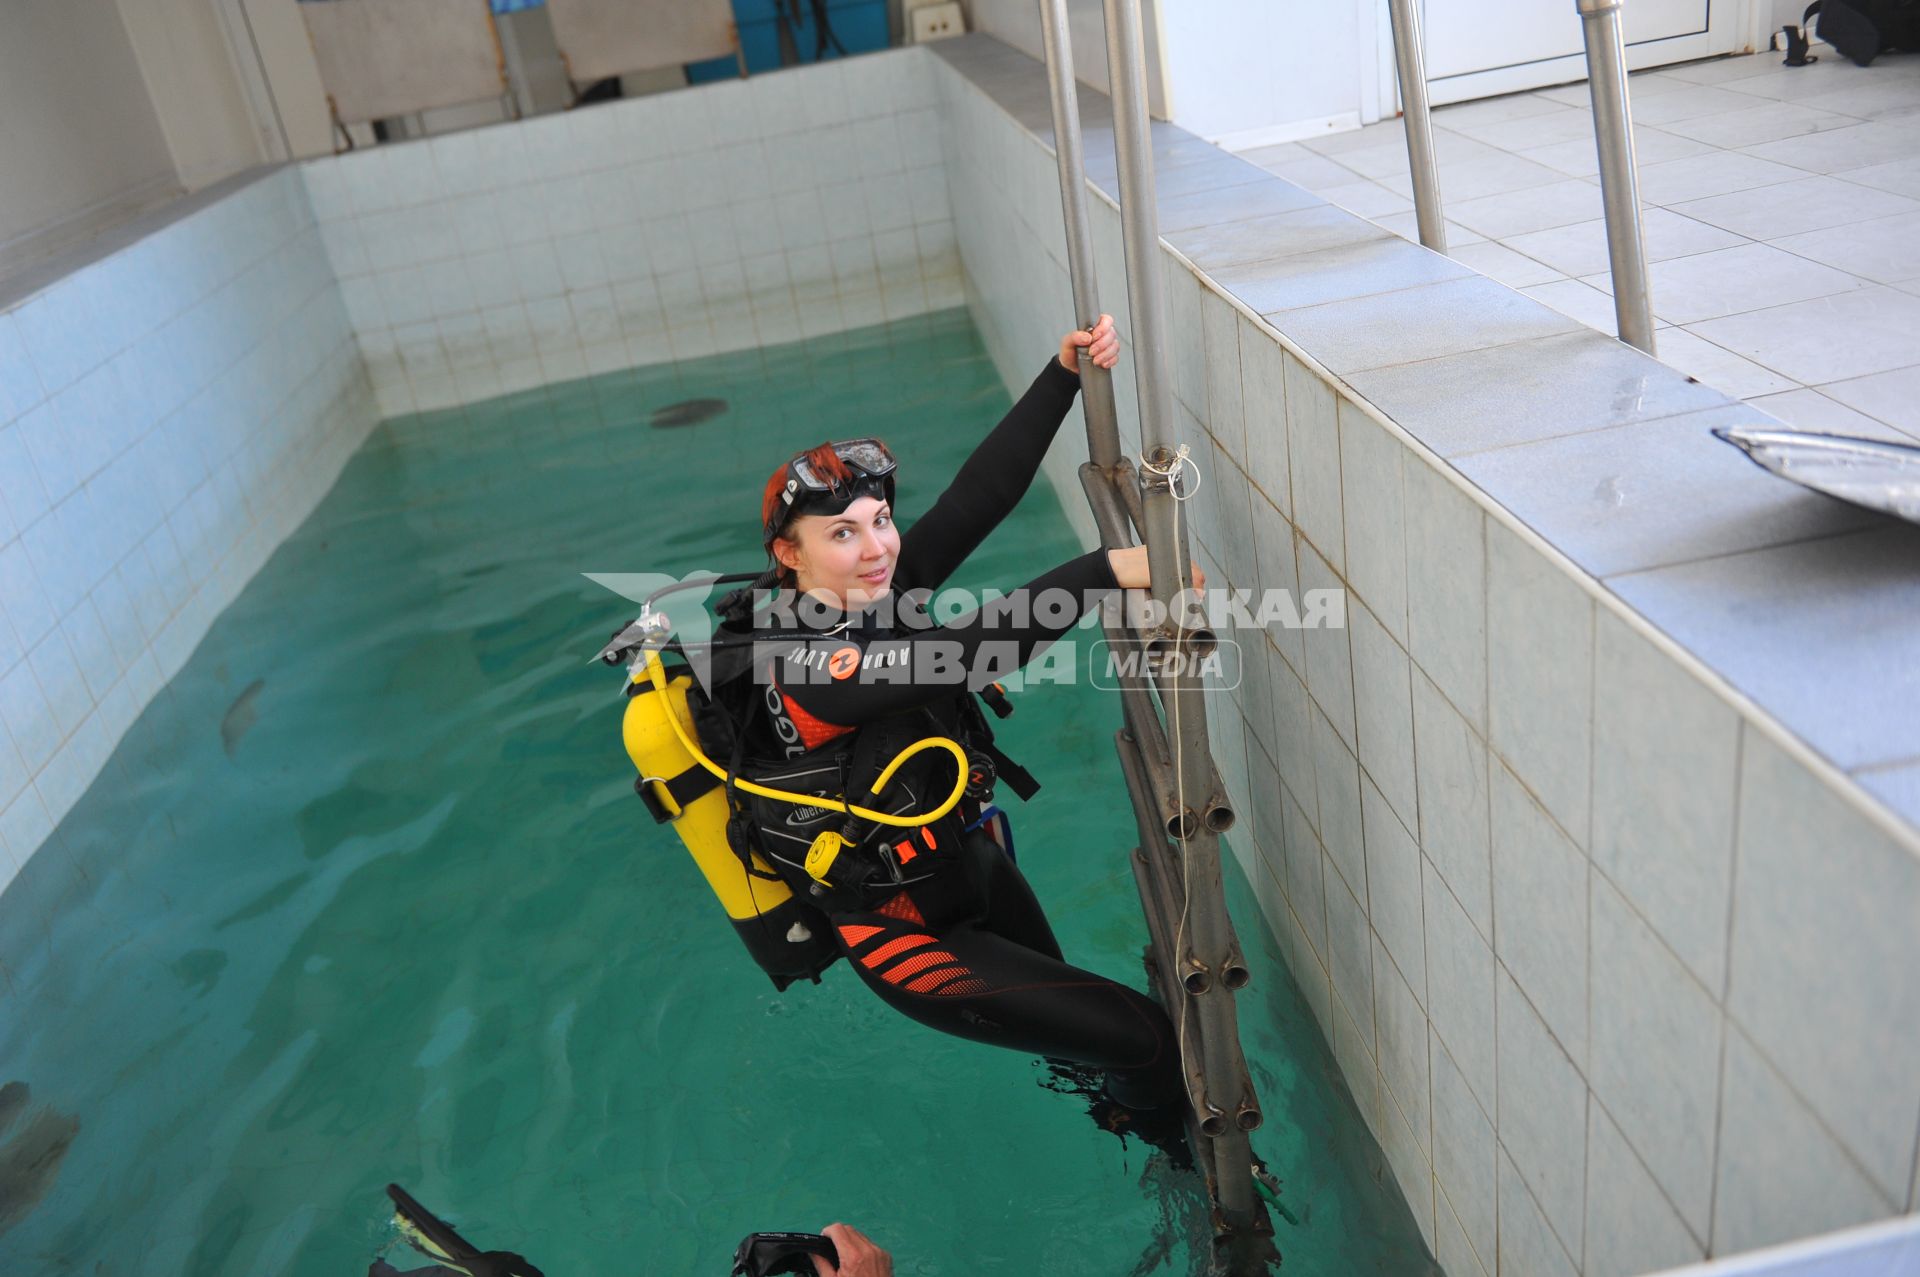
(1578, 301)
(1366, 198)
(1532, 390)
(1688, 104)
(1892, 397)
(1756, 617)
(1578, 158)
(1886, 250)
(1809, 409)
(1827, 339)
(1719, 173)
(1718, 71)
(1793, 84)
(1581, 249)
(1809, 204)
(1717, 366)
(1902, 177)
(1280, 235)
(1233, 204)
(1537, 208)
(1497, 261)
(1856, 146)
(1357, 139)
(1493, 174)
(1350, 270)
(1561, 124)
(1388, 155)
(1729, 281)
(1760, 123)
(1419, 323)
(1883, 98)
(1660, 492)
(1293, 162)
(1406, 226)
(1488, 111)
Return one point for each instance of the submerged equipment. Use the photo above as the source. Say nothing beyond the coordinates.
(768, 1254)
(452, 1254)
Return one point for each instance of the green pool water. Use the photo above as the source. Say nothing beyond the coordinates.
(365, 895)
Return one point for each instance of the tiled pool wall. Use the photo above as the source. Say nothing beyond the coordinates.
(167, 415)
(1619, 973)
(684, 224)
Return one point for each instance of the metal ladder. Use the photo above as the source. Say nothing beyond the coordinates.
(1179, 804)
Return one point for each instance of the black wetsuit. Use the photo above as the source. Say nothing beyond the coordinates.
(968, 950)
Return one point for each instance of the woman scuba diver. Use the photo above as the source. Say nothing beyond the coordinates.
(940, 924)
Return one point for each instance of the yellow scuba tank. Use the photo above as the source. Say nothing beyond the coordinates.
(789, 938)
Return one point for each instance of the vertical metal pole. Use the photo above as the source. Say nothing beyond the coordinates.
(1409, 56)
(1205, 932)
(1096, 384)
(1619, 178)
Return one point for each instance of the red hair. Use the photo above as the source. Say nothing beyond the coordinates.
(824, 460)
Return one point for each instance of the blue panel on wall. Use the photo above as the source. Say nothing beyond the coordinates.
(859, 25)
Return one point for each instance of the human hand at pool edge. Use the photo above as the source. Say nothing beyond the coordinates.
(859, 1257)
(1130, 569)
(1102, 343)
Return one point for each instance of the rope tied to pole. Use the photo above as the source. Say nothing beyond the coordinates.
(1173, 470)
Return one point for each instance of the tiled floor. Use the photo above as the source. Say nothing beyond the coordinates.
(1781, 210)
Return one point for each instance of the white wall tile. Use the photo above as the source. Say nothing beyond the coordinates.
(1781, 1173)
(1402, 1051)
(20, 387)
(1814, 878)
(1527, 1241)
(1306, 869)
(1655, 1060)
(1460, 988)
(1225, 415)
(1337, 786)
(1374, 508)
(1329, 658)
(1263, 397)
(1464, 1155)
(1447, 588)
(1453, 791)
(1383, 710)
(1540, 910)
(1350, 952)
(1540, 676)
(1664, 759)
(1542, 1114)
(1187, 343)
(1394, 888)
(1631, 1227)
(1456, 1256)
(1313, 451)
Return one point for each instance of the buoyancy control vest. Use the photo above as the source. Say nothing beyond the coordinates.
(759, 854)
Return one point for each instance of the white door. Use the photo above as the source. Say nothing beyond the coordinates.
(1479, 48)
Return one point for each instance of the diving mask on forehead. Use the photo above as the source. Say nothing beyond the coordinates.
(872, 466)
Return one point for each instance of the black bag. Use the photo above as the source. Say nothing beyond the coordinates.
(1864, 29)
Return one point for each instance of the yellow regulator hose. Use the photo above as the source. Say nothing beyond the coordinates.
(657, 674)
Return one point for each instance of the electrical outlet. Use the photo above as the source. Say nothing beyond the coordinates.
(937, 22)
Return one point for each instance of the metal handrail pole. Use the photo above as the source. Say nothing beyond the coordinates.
(1409, 56)
(1096, 383)
(1619, 177)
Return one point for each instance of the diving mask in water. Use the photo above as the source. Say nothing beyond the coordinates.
(767, 1254)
